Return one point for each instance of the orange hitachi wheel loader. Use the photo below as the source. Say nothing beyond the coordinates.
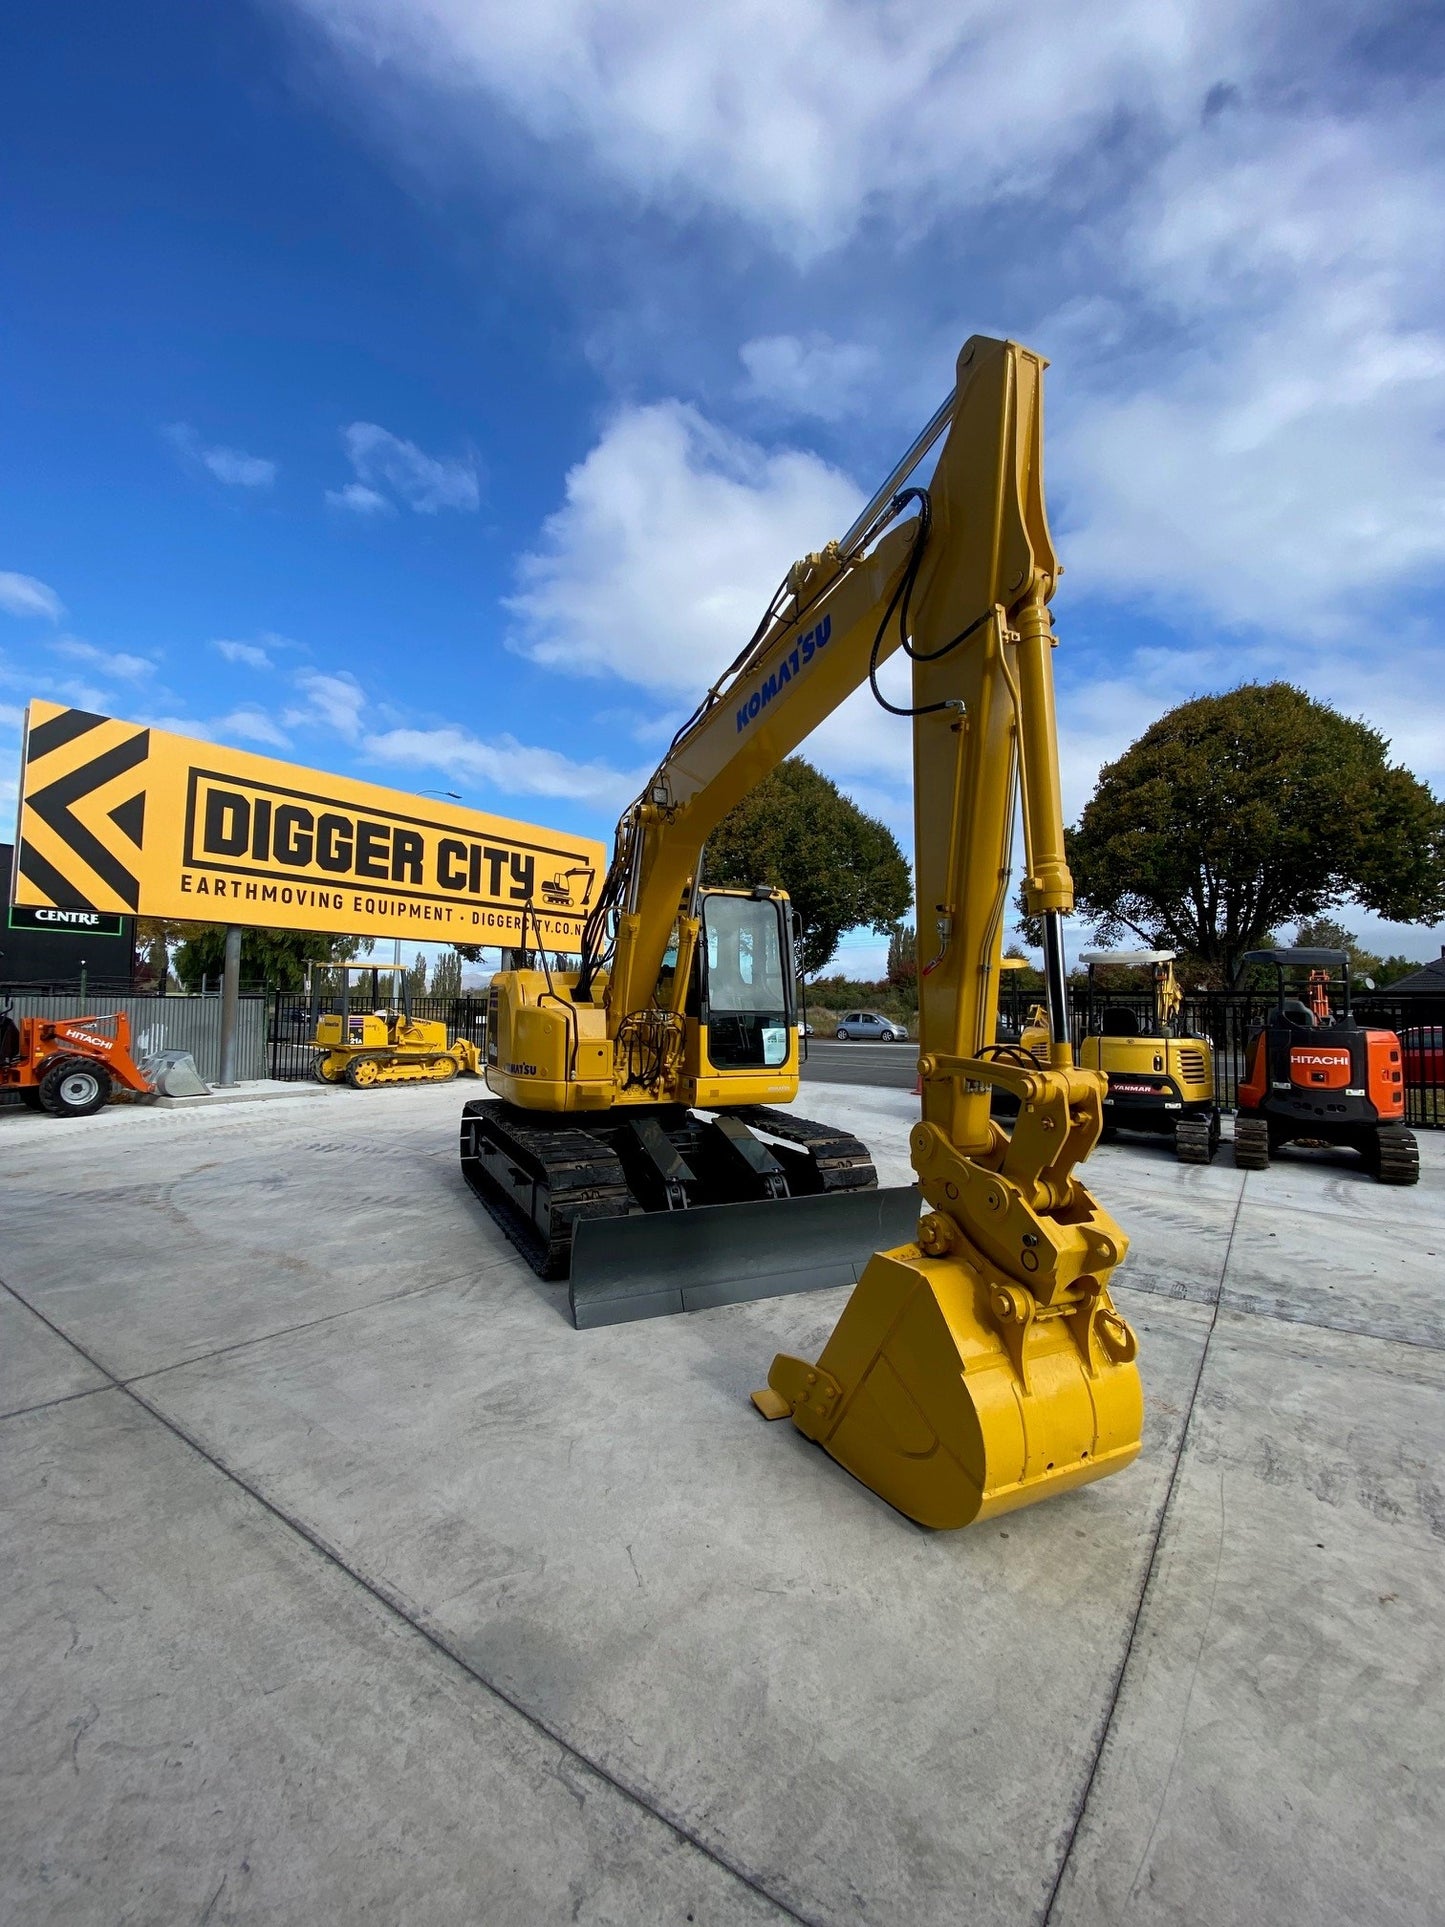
(68, 1066)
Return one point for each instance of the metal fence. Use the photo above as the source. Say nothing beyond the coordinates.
(292, 1019)
(1226, 1018)
(165, 1023)
(1229, 1018)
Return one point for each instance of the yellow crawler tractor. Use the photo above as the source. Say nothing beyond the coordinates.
(383, 1045)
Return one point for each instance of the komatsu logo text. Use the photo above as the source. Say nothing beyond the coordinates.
(793, 664)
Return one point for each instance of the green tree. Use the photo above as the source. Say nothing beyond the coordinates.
(446, 975)
(1027, 976)
(799, 833)
(155, 937)
(416, 976)
(1235, 814)
(903, 957)
(275, 958)
(1322, 933)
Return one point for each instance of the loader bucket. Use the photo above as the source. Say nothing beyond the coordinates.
(654, 1263)
(174, 1074)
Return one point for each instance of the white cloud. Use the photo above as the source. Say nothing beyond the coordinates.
(1285, 465)
(672, 539)
(253, 726)
(26, 595)
(424, 482)
(518, 769)
(233, 466)
(802, 118)
(330, 702)
(360, 500)
(11, 717)
(180, 726)
(1240, 201)
(249, 654)
(83, 695)
(124, 667)
(810, 375)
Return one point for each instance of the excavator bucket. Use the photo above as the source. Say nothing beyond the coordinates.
(954, 1398)
(654, 1263)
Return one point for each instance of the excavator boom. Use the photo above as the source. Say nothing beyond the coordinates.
(984, 1366)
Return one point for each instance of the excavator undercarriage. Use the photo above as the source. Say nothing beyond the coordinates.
(706, 1209)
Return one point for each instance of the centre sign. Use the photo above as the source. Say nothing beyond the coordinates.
(117, 818)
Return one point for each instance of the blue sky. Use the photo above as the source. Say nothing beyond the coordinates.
(436, 390)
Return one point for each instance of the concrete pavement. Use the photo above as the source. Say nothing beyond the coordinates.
(352, 1584)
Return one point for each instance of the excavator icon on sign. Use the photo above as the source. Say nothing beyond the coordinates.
(557, 891)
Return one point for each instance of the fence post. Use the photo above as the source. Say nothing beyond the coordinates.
(230, 1003)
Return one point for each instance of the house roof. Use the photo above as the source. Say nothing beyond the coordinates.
(1427, 981)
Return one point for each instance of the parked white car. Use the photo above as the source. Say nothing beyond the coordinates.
(867, 1023)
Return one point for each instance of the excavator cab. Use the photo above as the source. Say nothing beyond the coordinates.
(743, 995)
(1313, 1075)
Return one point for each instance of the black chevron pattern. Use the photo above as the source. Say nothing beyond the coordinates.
(54, 803)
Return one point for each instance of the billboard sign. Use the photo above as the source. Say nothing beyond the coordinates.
(119, 819)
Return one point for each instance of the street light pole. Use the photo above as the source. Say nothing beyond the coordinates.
(396, 946)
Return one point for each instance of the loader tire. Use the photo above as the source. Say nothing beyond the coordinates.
(1251, 1144)
(1195, 1140)
(74, 1087)
(1397, 1157)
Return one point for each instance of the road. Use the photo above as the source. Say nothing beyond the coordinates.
(892, 1065)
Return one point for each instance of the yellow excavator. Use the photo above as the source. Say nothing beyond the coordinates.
(980, 1363)
(1160, 1075)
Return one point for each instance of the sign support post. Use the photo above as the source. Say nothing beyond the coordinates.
(230, 1002)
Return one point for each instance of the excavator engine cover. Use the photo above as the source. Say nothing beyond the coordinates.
(955, 1396)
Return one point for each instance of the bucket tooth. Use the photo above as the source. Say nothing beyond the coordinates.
(919, 1394)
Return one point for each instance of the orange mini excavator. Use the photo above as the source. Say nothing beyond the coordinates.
(68, 1066)
(1312, 1077)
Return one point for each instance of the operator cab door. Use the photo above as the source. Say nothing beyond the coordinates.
(745, 982)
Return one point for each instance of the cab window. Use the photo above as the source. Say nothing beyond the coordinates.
(748, 982)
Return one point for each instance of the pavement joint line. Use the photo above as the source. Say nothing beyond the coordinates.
(65, 1398)
(1279, 1317)
(281, 1331)
(380, 1593)
(1082, 1805)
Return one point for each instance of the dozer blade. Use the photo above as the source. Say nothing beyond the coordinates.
(658, 1262)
